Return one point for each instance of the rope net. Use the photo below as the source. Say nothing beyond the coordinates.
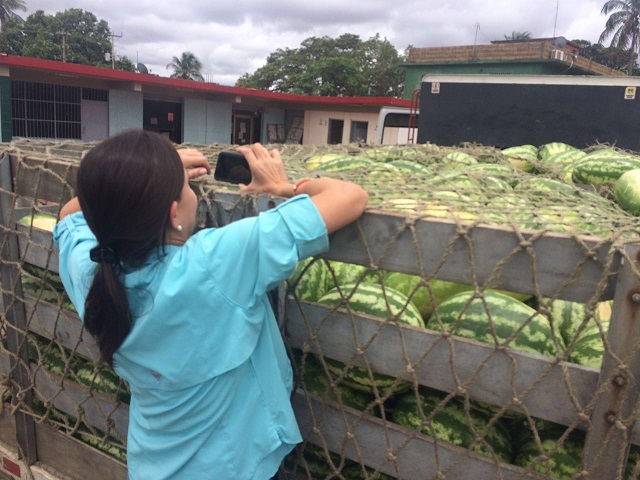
(457, 330)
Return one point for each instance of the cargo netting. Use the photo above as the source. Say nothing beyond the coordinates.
(477, 322)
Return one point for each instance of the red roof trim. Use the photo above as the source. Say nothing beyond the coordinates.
(122, 76)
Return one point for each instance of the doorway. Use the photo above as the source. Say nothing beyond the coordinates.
(336, 129)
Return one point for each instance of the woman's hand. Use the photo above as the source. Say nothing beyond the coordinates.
(267, 171)
(195, 163)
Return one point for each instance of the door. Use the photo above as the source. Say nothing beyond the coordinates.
(242, 129)
(94, 117)
(336, 127)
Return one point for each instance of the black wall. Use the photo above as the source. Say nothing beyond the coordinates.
(505, 115)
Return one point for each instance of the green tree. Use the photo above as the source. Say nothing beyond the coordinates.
(74, 34)
(342, 66)
(8, 8)
(612, 57)
(516, 35)
(623, 26)
(187, 67)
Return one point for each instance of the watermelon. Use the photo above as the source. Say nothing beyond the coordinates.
(522, 157)
(310, 279)
(449, 422)
(561, 460)
(42, 221)
(589, 348)
(343, 164)
(342, 273)
(554, 148)
(603, 167)
(315, 379)
(459, 158)
(384, 303)
(312, 162)
(546, 186)
(497, 314)
(556, 162)
(409, 167)
(627, 191)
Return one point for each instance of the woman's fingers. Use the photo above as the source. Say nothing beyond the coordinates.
(194, 162)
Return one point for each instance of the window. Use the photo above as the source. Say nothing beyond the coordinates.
(42, 110)
(358, 131)
(336, 127)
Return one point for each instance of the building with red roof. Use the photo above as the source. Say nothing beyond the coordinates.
(57, 100)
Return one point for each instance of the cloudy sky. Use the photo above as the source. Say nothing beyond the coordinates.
(234, 37)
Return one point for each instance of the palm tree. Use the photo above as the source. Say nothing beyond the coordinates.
(515, 35)
(624, 24)
(7, 8)
(187, 66)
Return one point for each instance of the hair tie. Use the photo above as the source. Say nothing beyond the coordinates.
(104, 255)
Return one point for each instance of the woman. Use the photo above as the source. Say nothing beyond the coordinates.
(184, 317)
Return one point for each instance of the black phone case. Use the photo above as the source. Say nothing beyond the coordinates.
(232, 167)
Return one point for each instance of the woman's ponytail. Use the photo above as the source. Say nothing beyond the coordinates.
(107, 315)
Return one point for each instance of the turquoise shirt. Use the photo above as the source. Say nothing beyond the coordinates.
(209, 376)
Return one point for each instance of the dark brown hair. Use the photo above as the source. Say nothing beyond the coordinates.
(126, 185)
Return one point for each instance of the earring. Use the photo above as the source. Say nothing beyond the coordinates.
(179, 228)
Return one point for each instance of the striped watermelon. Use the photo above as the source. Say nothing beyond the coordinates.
(522, 157)
(459, 158)
(558, 161)
(312, 162)
(563, 461)
(410, 167)
(546, 186)
(496, 314)
(344, 164)
(384, 303)
(627, 191)
(603, 166)
(449, 422)
(342, 273)
(554, 148)
(310, 279)
(315, 379)
(589, 348)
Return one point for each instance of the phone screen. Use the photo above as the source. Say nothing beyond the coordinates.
(232, 167)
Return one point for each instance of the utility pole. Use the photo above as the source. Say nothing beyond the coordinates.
(113, 49)
(64, 44)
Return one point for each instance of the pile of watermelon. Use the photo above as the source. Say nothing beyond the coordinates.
(555, 187)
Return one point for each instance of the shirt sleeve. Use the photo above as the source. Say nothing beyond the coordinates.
(254, 254)
(74, 239)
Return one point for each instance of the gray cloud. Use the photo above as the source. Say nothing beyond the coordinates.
(233, 38)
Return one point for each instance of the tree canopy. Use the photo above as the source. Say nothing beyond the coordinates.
(342, 66)
(8, 8)
(74, 35)
(187, 67)
(623, 26)
(612, 57)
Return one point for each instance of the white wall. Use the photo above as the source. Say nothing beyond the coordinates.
(125, 110)
(316, 125)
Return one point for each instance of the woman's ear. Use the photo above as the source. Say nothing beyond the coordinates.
(173, 215)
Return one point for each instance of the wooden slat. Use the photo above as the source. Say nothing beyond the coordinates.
(13, 313)
(38, 248)
(371, 441)
(102, 412)
(614, 414)
(50, 321)
(437, 363)
(75, 459)
(564, 266)
(8, 427)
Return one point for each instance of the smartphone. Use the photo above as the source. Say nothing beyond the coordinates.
(232, 167)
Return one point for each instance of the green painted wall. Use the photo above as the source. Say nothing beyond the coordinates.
(125, 110)
(6, 117)
(415, 71)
